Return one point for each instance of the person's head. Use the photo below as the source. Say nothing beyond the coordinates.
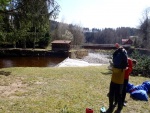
(134, 62)
(117, 45)
(122, 49)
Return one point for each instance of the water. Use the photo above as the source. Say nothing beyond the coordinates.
(29, 61)
(97, 58)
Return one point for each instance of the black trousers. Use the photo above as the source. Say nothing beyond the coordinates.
(115, 94)
(124, 89)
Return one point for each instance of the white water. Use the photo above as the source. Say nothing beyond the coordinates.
(97, 58)
(93, 59)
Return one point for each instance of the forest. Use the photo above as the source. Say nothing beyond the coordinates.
(31, 24)
(109, 35)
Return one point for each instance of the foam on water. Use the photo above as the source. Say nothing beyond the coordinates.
(97, 58)
(93, 59)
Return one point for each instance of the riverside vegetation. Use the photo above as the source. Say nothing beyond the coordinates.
(60, 90)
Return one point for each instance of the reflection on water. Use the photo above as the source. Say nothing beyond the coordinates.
(29, 61)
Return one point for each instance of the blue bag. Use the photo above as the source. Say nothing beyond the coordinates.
(147, 85)
(140, 95)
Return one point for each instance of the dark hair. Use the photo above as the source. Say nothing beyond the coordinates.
(134, 61)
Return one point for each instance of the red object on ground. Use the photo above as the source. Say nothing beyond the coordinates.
(88, 110)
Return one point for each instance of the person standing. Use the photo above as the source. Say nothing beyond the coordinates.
(116, 85)
(131, 63)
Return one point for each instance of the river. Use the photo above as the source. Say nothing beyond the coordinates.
(92, 58)
(29, 61)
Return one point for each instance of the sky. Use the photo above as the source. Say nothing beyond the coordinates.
(102, 13)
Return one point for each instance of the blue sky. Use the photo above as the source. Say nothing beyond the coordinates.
(102, 13)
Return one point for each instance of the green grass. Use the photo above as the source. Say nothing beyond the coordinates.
(60, 90)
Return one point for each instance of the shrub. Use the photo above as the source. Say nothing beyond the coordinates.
(44, 41)
(143, 64)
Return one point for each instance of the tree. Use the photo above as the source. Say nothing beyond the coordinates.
(62, 27)
(30, 17)
(78, 35)
(67, 35)
(3, 4)
(38, 13)
(145, 28)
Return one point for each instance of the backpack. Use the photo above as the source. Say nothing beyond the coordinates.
(120, 59)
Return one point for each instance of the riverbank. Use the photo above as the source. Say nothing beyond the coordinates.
(42, 52)
(31, 52)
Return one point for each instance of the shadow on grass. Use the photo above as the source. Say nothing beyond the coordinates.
(5, 73)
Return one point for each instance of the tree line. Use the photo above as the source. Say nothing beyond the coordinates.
(140, 35)
(80, 35)
(29, 24)
(109, 35)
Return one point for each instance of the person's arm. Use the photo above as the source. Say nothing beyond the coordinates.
(130, 65)
(125, 61)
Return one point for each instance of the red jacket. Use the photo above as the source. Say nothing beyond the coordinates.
(129, 70)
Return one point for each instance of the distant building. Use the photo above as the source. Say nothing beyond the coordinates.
(133, 38)
(61, 45)
(127, 42)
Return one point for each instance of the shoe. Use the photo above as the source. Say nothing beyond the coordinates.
(109, 110)
(118, 110)
(107, 94)
(124, 104)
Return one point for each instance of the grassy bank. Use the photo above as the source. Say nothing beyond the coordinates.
(60, 90)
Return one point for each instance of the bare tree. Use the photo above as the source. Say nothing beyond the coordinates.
(69, 32)
(67, 35)
(78, 35)
(145, 28)
(62, 29)
(59, 31)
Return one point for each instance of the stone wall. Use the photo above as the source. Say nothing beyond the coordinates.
(31, 52)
